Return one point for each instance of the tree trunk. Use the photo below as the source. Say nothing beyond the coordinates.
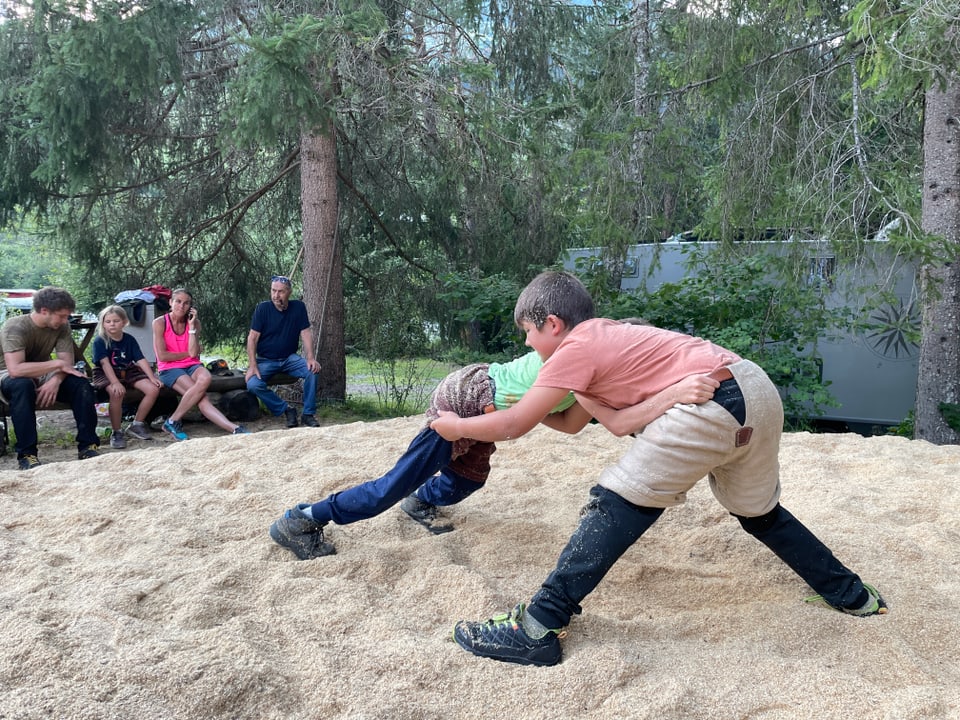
(322, 258)
(939, 378)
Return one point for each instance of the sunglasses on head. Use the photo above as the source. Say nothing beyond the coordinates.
(280, 279)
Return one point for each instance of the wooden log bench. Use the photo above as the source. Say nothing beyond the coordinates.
(228, 393)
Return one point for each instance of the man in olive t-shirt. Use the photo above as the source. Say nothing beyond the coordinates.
(31, 378)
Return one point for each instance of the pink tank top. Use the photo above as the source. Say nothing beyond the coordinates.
(175, 344)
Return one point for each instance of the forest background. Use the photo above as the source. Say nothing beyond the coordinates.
(413, 164)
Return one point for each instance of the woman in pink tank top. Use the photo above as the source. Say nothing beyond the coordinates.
(177, 346)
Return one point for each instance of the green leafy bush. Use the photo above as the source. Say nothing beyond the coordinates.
(758, 305)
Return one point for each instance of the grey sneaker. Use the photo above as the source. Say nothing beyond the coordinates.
(426, 514)
(139, 430)
(117, 440)
(301, 534)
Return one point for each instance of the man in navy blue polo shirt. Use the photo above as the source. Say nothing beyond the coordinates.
(276, 330)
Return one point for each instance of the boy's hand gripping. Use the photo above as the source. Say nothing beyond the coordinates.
(446, 425)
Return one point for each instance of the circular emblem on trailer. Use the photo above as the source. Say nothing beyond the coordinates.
(891, 330)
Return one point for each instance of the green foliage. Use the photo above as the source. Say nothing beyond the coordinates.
(481, 311)
(907, 427)
(951, 414)
(286, 81)
(30, 262)
(757, 305)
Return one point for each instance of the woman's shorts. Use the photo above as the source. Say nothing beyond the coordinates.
(170, 377)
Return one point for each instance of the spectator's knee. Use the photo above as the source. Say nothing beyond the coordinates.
(19, 387)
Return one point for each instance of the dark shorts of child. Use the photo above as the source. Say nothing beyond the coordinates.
(129, 377)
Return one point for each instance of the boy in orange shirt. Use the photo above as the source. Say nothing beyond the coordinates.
(616, 371)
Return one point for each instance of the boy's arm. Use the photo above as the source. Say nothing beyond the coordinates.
(572, 420)
(693, 389)
(503, 424)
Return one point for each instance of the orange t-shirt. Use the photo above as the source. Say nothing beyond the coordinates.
(620, 365)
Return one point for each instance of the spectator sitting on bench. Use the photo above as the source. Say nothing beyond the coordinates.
(276, 328)
(176, 343)
(118, 364)
(30, 379)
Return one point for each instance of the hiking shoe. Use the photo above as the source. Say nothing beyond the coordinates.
(875, 604)
(503, 638)
(309, 421)
(139, 430)
(301, 534)
(175, 428)
(28, 462)
(117, 441)
(291, 414)
(240, 430)
(426, 514)
(90, 451)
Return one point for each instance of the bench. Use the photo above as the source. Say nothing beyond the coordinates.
(227, 392)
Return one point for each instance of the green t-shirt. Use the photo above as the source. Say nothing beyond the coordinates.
(514, 378)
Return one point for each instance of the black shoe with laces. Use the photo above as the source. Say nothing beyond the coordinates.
(301, 534)
(503, 638)
(291, 414)
(90, 451)
(28, 462)
(426, 514)
(309, 421)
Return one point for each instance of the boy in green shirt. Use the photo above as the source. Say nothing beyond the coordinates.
(436, 471)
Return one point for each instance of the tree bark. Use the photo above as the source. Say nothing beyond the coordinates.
(939, 371)
(322, 258)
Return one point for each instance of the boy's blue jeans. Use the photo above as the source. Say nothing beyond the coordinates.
(426, 456)
(293, 365)
(609, 525)
(74, 391)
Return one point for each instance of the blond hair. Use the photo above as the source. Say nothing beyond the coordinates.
(110, 310)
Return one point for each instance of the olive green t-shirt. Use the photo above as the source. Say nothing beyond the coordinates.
(37, 343)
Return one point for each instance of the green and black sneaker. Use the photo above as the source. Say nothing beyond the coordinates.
(503, 638)
(875, 604)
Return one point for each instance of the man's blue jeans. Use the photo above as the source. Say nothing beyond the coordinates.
(74, 391)
(427, 455)
(293, 365)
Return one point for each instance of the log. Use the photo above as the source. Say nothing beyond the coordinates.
(237, 405)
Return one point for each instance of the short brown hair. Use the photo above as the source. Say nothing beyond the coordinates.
(53, 299)
(554, 293)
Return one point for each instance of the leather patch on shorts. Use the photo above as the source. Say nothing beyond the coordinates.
(743, 436)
